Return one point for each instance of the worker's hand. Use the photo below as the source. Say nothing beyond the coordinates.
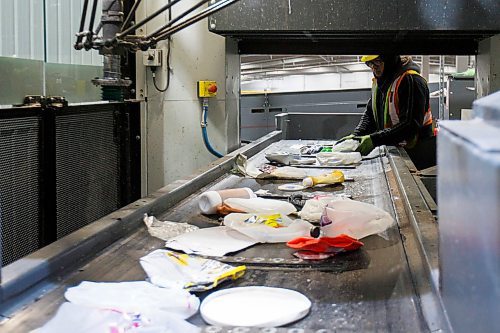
(365, 144)
(348, 137)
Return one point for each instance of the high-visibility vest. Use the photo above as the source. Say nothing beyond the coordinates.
(391, 105)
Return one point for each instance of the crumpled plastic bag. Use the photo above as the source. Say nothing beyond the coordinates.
(169, 269)
(354, 218)
(245, 168)
(258, 227)
(81, 319)
(313, 208)
(135, 296)
(261, 205)
(346, 146)
(338, 158)
(166, 229)
(340, 243)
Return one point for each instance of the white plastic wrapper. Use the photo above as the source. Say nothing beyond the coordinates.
(81, 319)
(249, 225)
(336, 158)
(261, 205)
(136, 296)
(166, 229)
(354, 218)
(170, 269)
(280, 157)
(288, 172)
(214, 241)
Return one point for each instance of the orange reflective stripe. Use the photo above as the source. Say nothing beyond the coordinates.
(428, 117)
(428, 113)
(396, 99)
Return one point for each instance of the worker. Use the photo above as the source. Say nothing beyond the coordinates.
(398, 112)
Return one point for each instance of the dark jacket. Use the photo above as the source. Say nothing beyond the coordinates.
(413, 96)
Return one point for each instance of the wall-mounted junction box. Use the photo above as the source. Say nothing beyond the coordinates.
(152, 58)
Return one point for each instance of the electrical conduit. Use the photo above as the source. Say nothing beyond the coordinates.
(206, 141)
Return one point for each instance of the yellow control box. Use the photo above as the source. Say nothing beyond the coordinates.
(207, 89)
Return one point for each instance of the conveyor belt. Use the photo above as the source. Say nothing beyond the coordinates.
(367, 290)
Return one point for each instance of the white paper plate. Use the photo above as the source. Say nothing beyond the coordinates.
(254, 307)
(291, 187)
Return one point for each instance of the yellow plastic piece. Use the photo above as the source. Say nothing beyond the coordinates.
(233, 274)
(366, 58)
(207, 89)
(272, 221)
(335, 177)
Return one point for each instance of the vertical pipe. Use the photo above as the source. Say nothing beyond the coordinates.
(44, 24)
(1, 245)
(425, 67)
(441, 87)
(462, 63)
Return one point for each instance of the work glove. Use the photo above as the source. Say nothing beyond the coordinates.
(348, 137)
(365, 144)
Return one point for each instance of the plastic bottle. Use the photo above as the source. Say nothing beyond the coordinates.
(210, 200)
(335, 177)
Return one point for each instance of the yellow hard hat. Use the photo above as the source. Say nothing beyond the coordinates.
(367, 58)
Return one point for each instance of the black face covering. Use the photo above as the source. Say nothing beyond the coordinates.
(392, 65)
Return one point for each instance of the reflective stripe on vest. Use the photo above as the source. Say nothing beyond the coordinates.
(391, 105)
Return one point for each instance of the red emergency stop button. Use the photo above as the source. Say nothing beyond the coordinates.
(212, 88)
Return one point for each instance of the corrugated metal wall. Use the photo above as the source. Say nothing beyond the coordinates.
(22, 40)
(22, 27)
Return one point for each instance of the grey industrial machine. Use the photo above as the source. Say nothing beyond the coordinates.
(460, 93)
(469, 218)
(258, 111)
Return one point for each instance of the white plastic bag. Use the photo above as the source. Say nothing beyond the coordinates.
(261, 205)
(263, 233)
(354, 218)
(81, 319)
(336, 158)
(135, 296)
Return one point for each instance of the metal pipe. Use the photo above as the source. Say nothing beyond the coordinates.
(92, 17)
(147, 19)
(82, 22)
(170, 23)
(112, 17)
(198, 17)
(132, 12)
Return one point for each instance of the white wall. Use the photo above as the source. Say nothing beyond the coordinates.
(63, 21)
(22, 24)
(315, 82)
(174, 143)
